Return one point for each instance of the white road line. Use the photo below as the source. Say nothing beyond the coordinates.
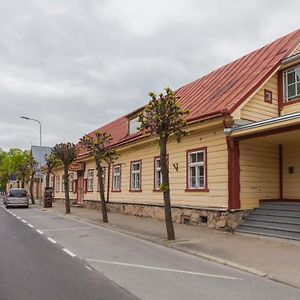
(51, 240)
(24, 221)
(67, 228)
(18, 218)
(30, 225)
(39, 231)
(14, 215)
(69, 252)
(163, 269)
(88, 268)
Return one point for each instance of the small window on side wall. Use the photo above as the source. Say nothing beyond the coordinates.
(268, 96)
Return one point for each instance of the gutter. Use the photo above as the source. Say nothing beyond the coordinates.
(293, 116)
(291, 59)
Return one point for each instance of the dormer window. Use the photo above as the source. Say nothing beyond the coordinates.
(133, 126)
(291, 80)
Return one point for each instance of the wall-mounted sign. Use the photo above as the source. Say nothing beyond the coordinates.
(77, 166)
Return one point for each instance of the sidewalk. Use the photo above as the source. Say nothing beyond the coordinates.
(272, 258)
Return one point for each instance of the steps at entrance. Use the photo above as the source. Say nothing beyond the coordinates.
(276, 219)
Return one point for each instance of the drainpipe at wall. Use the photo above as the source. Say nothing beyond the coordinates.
(108, 183)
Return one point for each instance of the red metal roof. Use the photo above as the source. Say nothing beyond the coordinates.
(223, 89)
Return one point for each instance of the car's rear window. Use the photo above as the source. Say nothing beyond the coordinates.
(17, 193)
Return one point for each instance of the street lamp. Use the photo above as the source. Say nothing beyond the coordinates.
(26, 118)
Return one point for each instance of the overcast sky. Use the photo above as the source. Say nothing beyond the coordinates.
(78, 64)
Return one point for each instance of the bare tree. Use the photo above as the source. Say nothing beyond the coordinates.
(51, 163)
(99, 148)
(164, 117)
(66, 153)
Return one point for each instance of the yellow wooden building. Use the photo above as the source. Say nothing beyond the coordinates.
(241, 148)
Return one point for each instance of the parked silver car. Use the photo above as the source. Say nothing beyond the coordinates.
(16, 197)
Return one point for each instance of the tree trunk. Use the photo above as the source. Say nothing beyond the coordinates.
(31, 187)
(66, 185)
(47, 179)
(166, 188)
(23, 181)
(102, 195)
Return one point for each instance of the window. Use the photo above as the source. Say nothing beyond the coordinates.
(291, 81)
(196, 169)
(57, 183)
(157, 174)
(135, 177)
(133, 126)
(116, 178)
(90, 177)
(103, 176)
(71, 179)
(63, 183)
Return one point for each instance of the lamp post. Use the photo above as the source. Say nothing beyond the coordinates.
(27, 118)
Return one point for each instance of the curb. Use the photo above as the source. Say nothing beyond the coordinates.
(177, 247)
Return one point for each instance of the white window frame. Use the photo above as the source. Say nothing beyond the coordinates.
(135, 176)
(90, 180)
(157, 174)
(296, 83)
(71, 180)
(195, 166)
(116, 178)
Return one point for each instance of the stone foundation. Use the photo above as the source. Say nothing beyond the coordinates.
(217, 219)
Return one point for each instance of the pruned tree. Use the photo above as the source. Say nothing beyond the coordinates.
(102, 152)
(33, 169)
(51, 163)
(164, 117)
(66, 153)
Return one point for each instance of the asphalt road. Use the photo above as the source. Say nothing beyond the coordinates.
(144, 269)
(32, 267)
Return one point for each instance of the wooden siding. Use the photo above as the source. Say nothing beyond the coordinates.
(256, 109)
(259, 172)
(290, 108)
(217, 172)
(291, 158)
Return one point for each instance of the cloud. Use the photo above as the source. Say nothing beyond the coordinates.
(78, 64)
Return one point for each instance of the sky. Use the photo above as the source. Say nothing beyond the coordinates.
(78, 64)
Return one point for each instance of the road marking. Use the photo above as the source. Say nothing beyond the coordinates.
(51, 240)
(88, 268)
(39, 231)
(18, 218)
(24, 221)
(30, 225)
(67, 228)
(163, 269)
(69, 252)
(14, 215)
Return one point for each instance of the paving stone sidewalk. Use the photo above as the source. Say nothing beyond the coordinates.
(273, 258)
